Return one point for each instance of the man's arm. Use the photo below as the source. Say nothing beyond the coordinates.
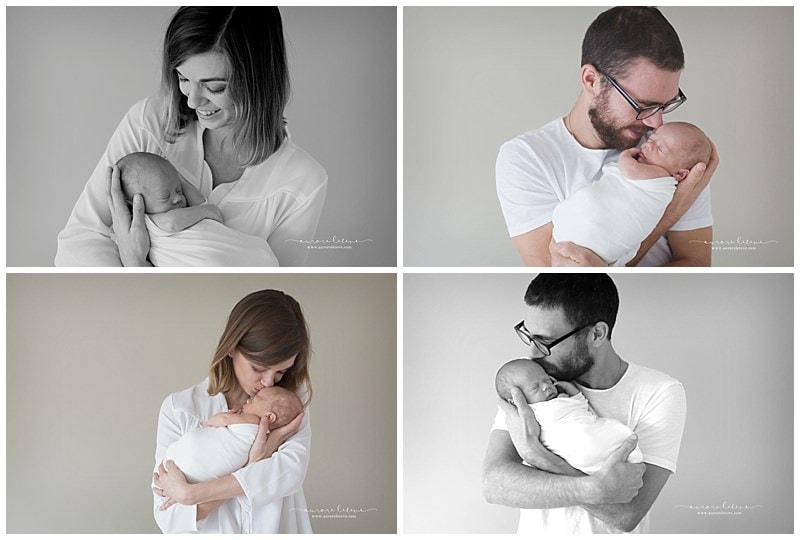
(533, 246)
(690, 248)
(626, 516)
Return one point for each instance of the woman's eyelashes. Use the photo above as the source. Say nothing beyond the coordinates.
(212, 89)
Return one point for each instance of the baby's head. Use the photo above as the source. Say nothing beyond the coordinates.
(154, 178)
(528, 376)
(280, 404)
(677, 147)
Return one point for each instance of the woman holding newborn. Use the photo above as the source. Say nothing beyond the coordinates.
(265, 343)
(219, 121)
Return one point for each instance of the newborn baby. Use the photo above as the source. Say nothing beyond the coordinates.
(185, 230)
(569, 426)
(222, 445)
(613, 215)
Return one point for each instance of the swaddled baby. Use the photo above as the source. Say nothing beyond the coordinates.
(569, 426)
(185, 231)
(222, 446)
(613, 215)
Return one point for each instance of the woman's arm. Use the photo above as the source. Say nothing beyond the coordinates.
(87, 239)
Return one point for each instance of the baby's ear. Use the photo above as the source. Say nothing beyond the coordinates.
(681, 174)
(271, 417)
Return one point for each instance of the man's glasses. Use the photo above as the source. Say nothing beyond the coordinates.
(543, 347)
(650, 110)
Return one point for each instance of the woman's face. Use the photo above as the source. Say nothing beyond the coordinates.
(203, 79)
(253, 377)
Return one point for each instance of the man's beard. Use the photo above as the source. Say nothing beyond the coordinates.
(611, 135)
(573, 366)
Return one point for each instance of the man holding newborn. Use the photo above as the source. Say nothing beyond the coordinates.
(631, 66)
(568, 324)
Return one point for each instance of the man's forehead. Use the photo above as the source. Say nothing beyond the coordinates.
(650, 85)
(540, 320)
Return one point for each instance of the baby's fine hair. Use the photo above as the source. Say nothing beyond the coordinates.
(137, 167)
(697, 146)
(504, 381)
(286, 405)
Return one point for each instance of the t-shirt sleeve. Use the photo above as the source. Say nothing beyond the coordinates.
(499, 420)
(524, 188)
(660, 428)
(699, 214)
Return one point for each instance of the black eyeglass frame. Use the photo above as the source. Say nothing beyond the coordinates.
(544, 348)
(646, 112)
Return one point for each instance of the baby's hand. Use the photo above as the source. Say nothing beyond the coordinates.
(628, 161)
(214, 212)
(219, 420)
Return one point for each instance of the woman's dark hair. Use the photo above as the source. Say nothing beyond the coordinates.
(583, 298)
(267, 327)
(251, 40)
(621, 35)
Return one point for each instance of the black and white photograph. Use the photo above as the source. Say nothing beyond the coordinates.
(252, 136)
(520, 114)
(699, 367)
(212, 403)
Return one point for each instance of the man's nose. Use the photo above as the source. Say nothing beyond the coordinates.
(535, 352)
(654, 121)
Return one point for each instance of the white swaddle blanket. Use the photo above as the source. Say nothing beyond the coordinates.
(207, 243)
(212, 452)
(613, 215)
(571, 429)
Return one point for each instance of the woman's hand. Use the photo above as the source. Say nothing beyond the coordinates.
(133, 241)
(171, 483)
(267, 442)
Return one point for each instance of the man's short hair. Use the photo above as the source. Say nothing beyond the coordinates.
(621, 35)
(584, 298)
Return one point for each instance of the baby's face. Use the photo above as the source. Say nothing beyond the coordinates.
(260, 404)
(163, 192)
(535, 384)
(661, 148)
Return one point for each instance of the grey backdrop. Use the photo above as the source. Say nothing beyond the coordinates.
(90, 358)
(72, 73)
(477, 77)
(727, 337)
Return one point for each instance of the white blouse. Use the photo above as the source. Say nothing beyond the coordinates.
(280, 199)
(273, 501)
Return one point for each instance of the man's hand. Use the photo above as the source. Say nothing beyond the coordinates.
(690, 188)
(569, 254)
(618, 481)
(522, 425)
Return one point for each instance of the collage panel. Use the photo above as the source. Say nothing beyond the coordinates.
(498, 96)
(90, 85)
(96, 370)
(700, 367)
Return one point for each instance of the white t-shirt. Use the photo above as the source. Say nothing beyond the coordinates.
(273, 501)
(279, 200)
(649, 402)
(538, 169)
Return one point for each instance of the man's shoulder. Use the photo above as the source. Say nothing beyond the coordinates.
(652, 380)
(546, 137)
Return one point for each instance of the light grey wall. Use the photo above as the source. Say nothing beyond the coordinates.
(90, 357)
(727, 337)
(477, 77)
(72, 73)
